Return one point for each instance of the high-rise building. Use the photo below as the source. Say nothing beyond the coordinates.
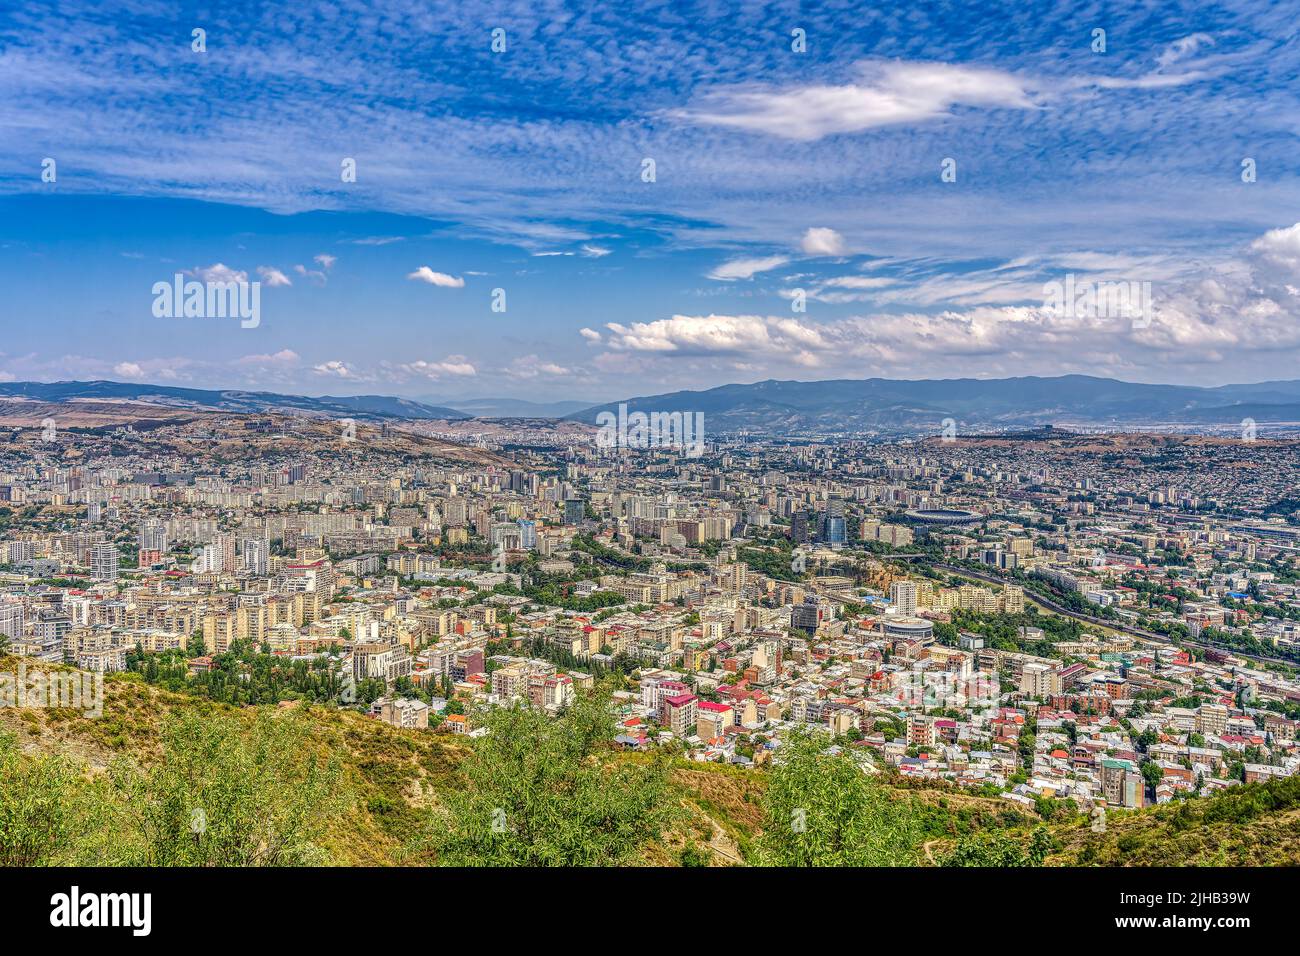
(575, 510)
(806, 616)
(208, 561)
(11, 618)
(799, 527)
(103, 561)
(902, 594)
(527, 534)
(834, 530)
(225, 544)
(257, 555)
(152, 542)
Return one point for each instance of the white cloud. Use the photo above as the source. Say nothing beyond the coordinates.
(335, 368)
(453, 365)
(273, 277)
(860, 288)
(1184, 47)
(325, 260)
(1244, 307)
(746, 268)
(889, 93)
(821, 241)
(593, 251)
(591, 335)
(1278, 252)
(128, 370)
(441, 279)
(721, 334)
(530, 366)
(282, 357)
(220, 272)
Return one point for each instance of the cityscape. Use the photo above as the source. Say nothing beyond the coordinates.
(751, 436)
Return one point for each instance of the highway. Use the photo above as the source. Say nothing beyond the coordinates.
(1120, 626)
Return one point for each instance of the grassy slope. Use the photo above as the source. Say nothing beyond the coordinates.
(392, 774)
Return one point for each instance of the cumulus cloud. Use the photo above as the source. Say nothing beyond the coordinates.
(272, 277)
(746, 268)
(820, 241)
(1250, 305)
(887, 94)
(1277, 253)
(747, 335)
(128, 370)
(441, 279)
(453, 365)
(334, 368)
(591, 335)
(220, 272)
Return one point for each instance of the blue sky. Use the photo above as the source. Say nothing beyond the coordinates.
(775, 171)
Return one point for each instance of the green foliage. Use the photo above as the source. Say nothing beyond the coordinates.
(223, 793)
(1002, 849)
(773, 562)
(823, 809)
(241, 676)
(545, 791)
(228, 794)
(37, 798)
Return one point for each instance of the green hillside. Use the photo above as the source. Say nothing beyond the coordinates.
(169, 779)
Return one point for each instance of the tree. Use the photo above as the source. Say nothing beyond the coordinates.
(228, 792)
(37, 797)
(824, 809)
(1001, 849)
(547, 791)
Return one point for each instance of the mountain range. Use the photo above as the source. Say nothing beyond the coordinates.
(228, 400)
(511, 407)
(885, 405)
(843, 406)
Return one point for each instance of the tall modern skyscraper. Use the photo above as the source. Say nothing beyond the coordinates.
(833, 528)
(575, 509)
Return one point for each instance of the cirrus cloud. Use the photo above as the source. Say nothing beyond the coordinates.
(887, 94)
(746, 268)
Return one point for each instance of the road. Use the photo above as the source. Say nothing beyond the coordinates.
(1106, 622)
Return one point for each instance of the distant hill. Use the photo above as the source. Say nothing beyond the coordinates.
(229, 400)
(515, 408)
(886, 405)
